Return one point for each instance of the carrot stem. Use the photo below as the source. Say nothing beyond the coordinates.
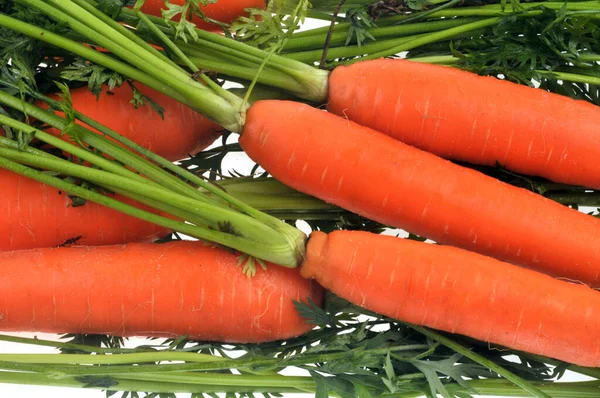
(296, 44)
(281, 249)
(525, 385)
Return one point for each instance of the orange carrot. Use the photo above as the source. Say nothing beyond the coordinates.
(181, 133)
(460, 292)
(380, 178)
(36, 215)
(225, 11)
(140, 289)
(481, 120)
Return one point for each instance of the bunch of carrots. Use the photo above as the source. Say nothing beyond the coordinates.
(510, 267)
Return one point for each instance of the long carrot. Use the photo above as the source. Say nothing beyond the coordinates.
(35, 215)
(477, 119)
(169, 290)
(225, 11)
(371, 174)
(182, 131)
(460, 292)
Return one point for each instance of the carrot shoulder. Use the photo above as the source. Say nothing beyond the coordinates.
(371, 174)
(478, 119)
(37, 215)
(169, 290)
(461, 292)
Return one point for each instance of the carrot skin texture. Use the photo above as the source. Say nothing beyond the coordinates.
(225, 11)
(182, 131)
(457, 291)
(143, 289)
(478, 119)
(35, 215)
(380, 178)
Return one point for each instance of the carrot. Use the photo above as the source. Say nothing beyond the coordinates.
(482, 120)
(182, 131)
(225, 11)
(169, 290)
(461, 292)
(36, 215)
(369, 173)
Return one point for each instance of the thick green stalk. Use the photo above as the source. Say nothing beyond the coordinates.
(70, 148)
(89, 54)
(216, 107)
(281, 252)
(313, 80)
(215, 215)
(124, 31)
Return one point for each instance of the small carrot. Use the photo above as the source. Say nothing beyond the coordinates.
(460, 292)
(369, 173)
(225, 11)
(477, 119)
(168, 290)
(36, 215)
(182, 131)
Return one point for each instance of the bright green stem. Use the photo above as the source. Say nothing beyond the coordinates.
(123, 155)
(280, 252)
(313, 81)
(353, 51)
(215, 215)
(70, 148)
(513, 378)
(113, 359)
(64, 346)
(241, 364)
(432, 38)
(165, 40)
(122, 30)
(131, 384)
(339, 37)
(87, 53)
(196, 95)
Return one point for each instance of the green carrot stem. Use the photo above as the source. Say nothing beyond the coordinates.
(70, 148)
(64, 346)
(64, 365)
(215, 215)
(87, 53)
(353, 51)
(518, 381)
(220, 108)
(113, 39)
(163, 38)
(124, 31)
(431, 38)
(280, 252)
(339, 38)
(116, 383)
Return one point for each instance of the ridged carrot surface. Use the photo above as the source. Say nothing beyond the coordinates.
(169, 290)
(478, 119)
(225, 11)
(34, 215)
(182, 131)
(461, 292)
(378, 177)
